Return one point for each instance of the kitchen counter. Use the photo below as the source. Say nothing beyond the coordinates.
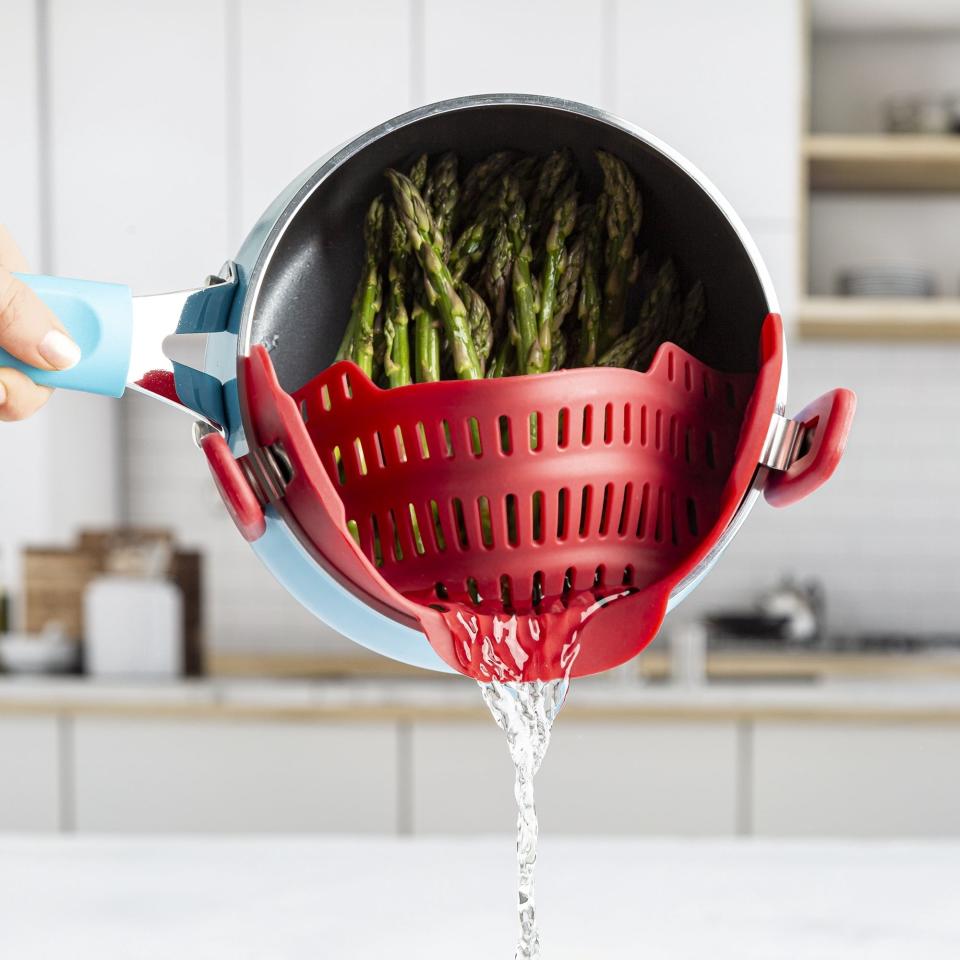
(455, 698)
(769, 662)
(206, 899)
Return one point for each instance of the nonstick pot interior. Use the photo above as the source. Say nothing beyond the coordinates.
(305, 287)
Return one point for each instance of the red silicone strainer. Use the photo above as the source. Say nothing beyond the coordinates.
(531, 525)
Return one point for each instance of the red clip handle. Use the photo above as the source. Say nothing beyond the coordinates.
(238, 496)
(827, 421)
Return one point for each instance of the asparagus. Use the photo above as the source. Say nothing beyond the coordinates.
(440, 289)
(418, 172)
(637, 347)
(474, 299)
(529, 353)
(499, 366)
(555, 170)
(357, 343)
(655, 314)
(571, 266)
(694, 311)
(527, 172)
(622, 352)
(470, 246)
(441, 193)
(379, 347)
(480, 179)
(589, 305)
(478, 317)
(496, 274)
(428, 344)
(396, 322)
(558, 353)
(622, 223)
(564, 219)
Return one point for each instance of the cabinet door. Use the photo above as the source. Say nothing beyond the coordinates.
(30, 777)
(553, 47)
(234, 776)
(313, 75)
(845, 780)
(730, 105)
(598, 778)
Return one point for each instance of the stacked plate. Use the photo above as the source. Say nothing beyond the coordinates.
(888, 280)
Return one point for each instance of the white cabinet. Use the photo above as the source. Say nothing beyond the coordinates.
(148, 776)
(643, 778)
(461, 779)
(720, 82)
(312, 75)
(554, 47)
(29, 773)
(598, 778)
(124, 774)
(137, 101)
(825, 779)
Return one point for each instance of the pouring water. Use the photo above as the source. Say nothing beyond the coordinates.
(525, 712)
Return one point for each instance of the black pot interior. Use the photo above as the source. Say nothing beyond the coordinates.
(306, 288)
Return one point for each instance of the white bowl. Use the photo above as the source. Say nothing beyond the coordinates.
(37, 654)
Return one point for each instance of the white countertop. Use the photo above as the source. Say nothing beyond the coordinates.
(310, 898)
(454, 696)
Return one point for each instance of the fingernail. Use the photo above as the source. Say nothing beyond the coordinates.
(59, 350)
(3, 394)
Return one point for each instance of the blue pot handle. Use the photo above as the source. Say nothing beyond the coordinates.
(99, 317)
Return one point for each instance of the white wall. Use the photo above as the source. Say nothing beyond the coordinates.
(173, 124)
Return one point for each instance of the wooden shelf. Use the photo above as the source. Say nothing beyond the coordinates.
(880, 318)
(890, 162)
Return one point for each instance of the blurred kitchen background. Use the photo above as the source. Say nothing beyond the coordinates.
(811, 685)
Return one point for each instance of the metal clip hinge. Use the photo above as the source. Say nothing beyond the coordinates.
(782, 444)
(275, 472)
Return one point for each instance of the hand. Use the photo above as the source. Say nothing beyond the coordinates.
(30, 331)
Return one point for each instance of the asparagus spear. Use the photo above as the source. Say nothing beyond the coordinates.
(428, 344)
(694, 312)
(527, 172)
(655, 314)
(571, 266)
(495, 276)
(440, 289)
(357, 344)
(623, 224)
(558, 353)
(478, 316)
(622, 352)
(589, 305)
(379, 346)
(480, 179)
(556, 170)
(499, 366)
(470, 246)
(529, 354)
(563, 222)
(418, 172)
(637, 347)
(396, 322)
(441, 193)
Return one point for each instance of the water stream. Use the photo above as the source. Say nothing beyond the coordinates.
(525, 712)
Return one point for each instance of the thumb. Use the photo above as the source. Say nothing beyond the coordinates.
(30, 330)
